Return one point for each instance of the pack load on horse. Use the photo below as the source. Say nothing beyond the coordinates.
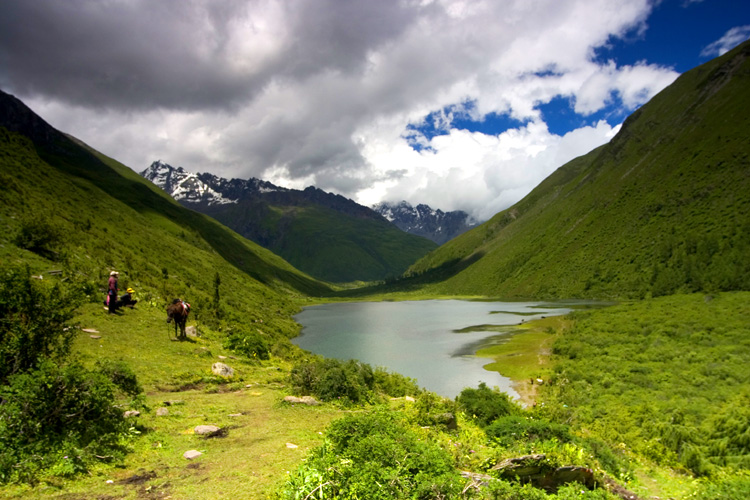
(178, 311)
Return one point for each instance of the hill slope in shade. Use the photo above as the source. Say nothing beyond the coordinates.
(102, 216)
(664, 207)
(324, 234)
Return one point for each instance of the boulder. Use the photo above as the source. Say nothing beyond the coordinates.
(191, 331)
(305, 400)
(222, 370)
(162, 412)
(447, 419)
(527, 465)
(131, 413)
(206, 430)
(191, 454)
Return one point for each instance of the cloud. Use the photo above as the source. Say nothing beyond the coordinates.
(730, 40)
(322, 92)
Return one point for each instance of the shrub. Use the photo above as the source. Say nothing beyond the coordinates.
(33, 317)
(331, 379)
(485, 404)
(39, 235)
(375, 456)
(55, 409)
(511, 428)
(251, 345)
(395, 384)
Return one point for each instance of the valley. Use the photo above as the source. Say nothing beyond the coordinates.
(648, 395)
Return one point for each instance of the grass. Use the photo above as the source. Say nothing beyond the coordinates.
(525, 356)
(249, 462)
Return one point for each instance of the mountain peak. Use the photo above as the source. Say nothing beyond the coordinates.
(422, 220)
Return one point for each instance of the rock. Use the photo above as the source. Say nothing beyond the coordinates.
(191, 331)
(162, 412)
(292, 446)
(409, 398)
(206, 429)
(527, 465)
(192, 454)
(222, 370)
(534, 469)
(222, 357)
(305, 400)
(89, 330)
(174, 402)
(539, 381)
(235, 414)
(131, 413)
(447, 419)
(95, 336)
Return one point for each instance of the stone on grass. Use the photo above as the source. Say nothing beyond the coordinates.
(131, 413)
(305, 400)
(191, 331)
(292, 446)
(222, 370)
(191, 454)
(206, 429)
(162, 412)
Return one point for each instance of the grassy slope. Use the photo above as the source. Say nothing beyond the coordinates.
(248, 463)
(665, 206)
(326, 243)
(109, 219)
(142, 239)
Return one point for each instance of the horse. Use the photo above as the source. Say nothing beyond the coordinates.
(178, 311)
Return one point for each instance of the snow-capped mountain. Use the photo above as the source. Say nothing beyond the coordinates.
(206, 189)
(424, 221)
(326, 235)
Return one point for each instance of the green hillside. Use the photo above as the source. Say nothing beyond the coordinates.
(95, 215)
(663, 208)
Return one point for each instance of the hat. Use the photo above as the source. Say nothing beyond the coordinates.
(114, 273)
(130, 290)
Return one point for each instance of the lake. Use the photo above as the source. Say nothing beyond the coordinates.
(420, 339)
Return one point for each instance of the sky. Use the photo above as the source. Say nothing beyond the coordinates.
(458, 104)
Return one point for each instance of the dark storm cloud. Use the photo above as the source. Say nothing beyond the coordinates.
(179, 54)
(117, 54)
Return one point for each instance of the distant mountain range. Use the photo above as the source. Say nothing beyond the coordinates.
(325, 235)
(422, 220)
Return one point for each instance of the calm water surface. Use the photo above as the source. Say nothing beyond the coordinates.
(418, 338)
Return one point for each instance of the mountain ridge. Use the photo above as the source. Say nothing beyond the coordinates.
(323, 234)
(423, 220)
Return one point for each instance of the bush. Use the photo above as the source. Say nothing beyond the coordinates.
(39, 235)
(395, 384)
(55, 409)
(508, 429)
(485, 404)
(251, 345)
(33, 317)
(375, 456)
(331, 379)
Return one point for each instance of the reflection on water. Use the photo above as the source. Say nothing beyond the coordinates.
(418, 338)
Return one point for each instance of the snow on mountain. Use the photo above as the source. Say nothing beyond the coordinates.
(183, 185)
(424, 221)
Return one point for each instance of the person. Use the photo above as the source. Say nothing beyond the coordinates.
(112, 292)
(127, 299)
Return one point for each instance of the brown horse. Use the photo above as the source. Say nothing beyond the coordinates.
(178, 311)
